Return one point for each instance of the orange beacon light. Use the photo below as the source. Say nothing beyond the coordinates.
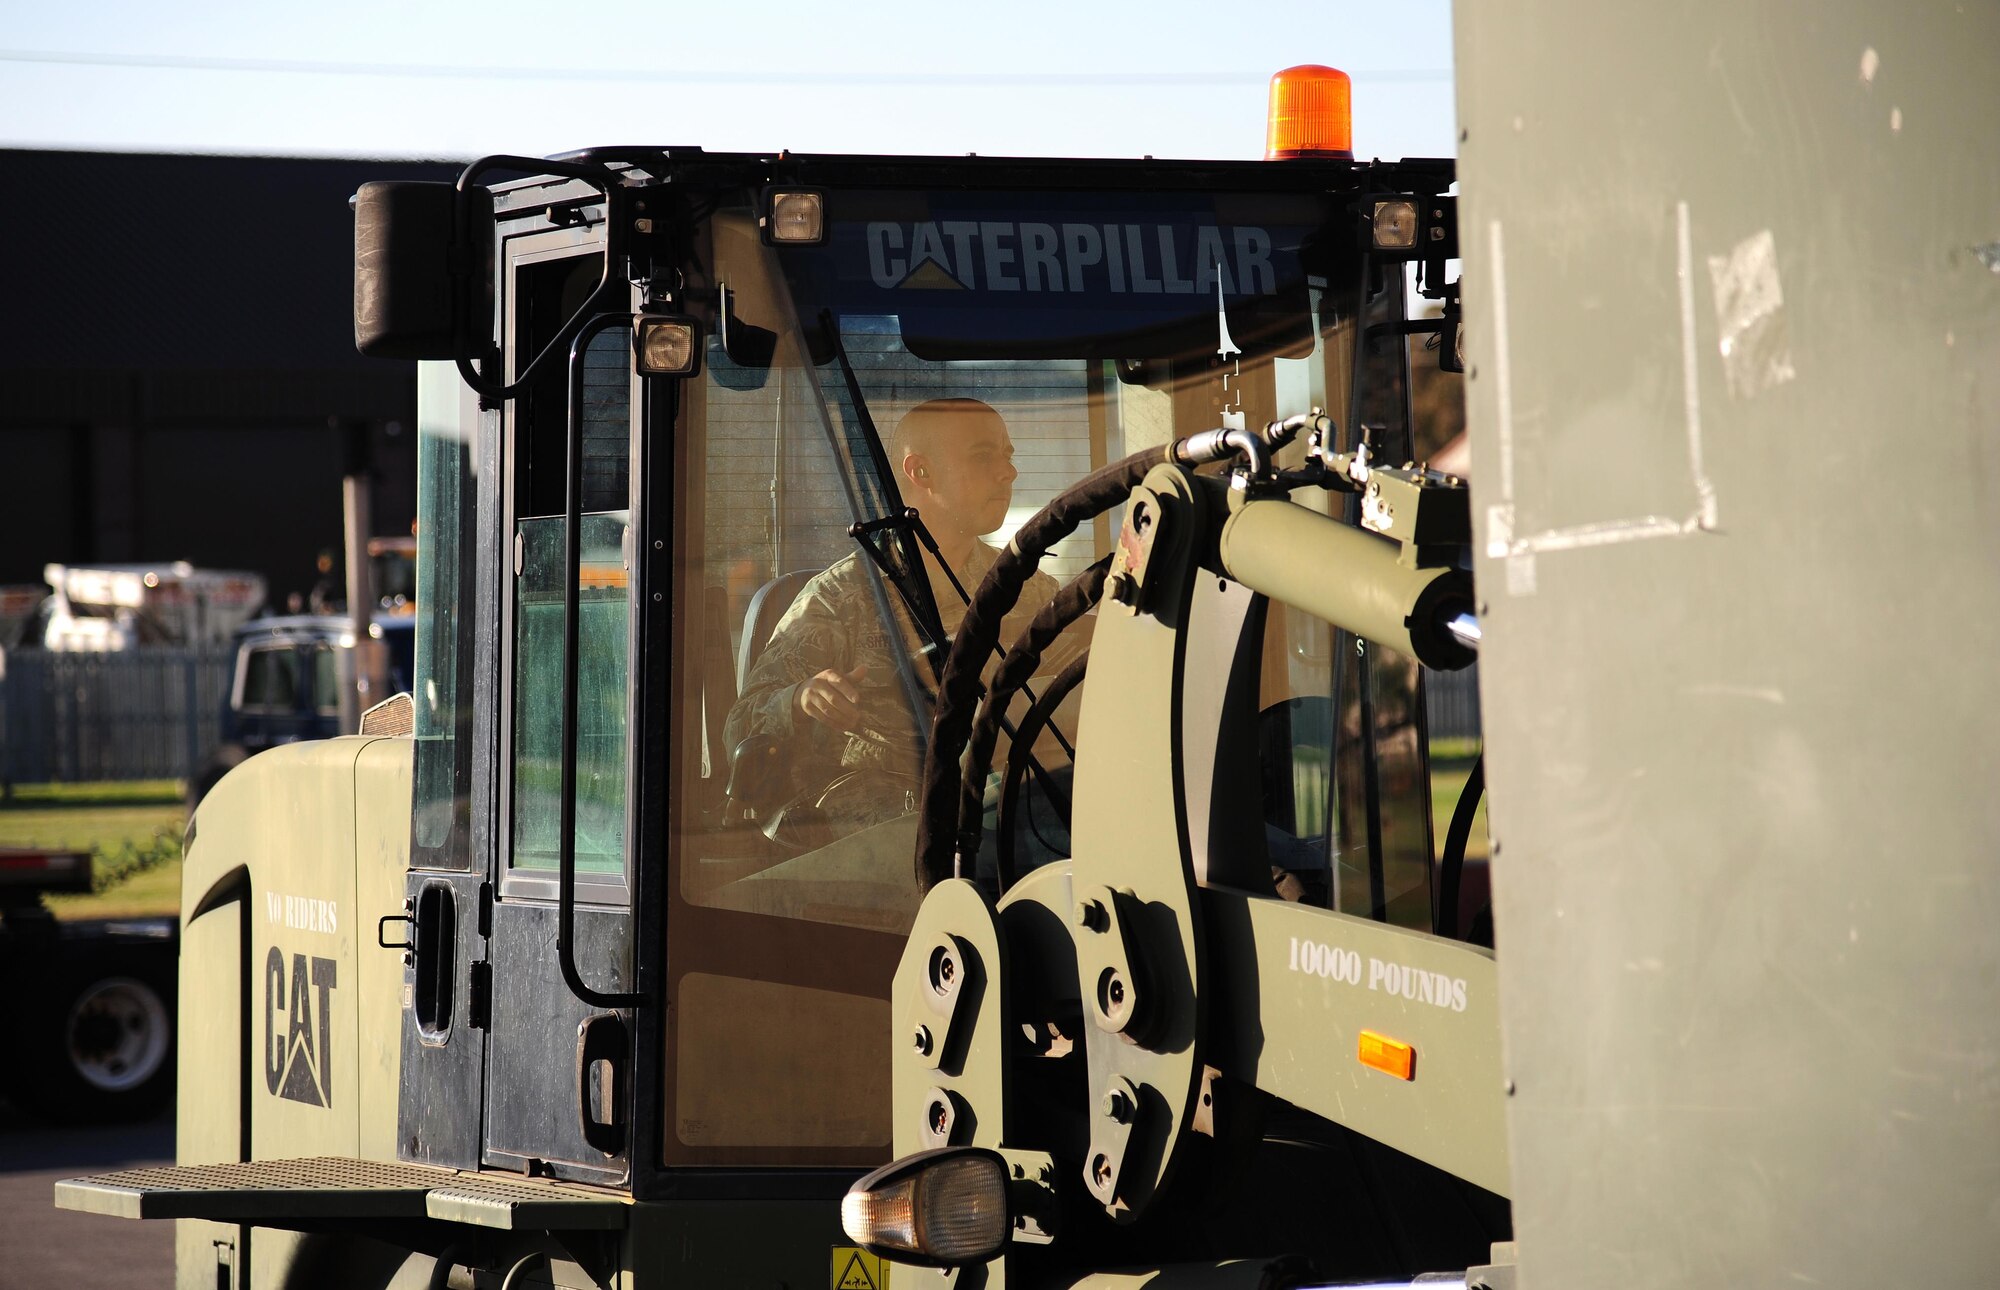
(1312, 114)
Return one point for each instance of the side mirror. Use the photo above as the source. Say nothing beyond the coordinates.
(744, 350)
(1139, 371)
(408, 301)
(747, 344)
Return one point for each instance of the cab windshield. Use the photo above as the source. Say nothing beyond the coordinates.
(967, 354)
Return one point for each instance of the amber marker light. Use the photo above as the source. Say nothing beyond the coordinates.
(1390, 1056)
(1312, 114)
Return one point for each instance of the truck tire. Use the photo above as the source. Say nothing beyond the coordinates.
(99, 1045)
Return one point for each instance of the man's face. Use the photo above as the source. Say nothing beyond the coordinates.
(971, 474)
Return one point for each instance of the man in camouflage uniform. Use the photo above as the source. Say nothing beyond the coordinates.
(827, 685)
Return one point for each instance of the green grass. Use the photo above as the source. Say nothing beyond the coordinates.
(133, 832)
(1455, 752)
(1447, 786)
(153, 893)
(137, 792)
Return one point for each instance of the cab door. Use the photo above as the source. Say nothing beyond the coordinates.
(447, 893)
(558, 1074)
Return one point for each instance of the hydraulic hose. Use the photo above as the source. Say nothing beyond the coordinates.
(1451, 869)
(938, 842)
(1019, 759)
(1068, 605)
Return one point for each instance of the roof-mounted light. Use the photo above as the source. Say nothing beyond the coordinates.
(1312, 114)
(1395, 224)
(797, 216)
(666, 345)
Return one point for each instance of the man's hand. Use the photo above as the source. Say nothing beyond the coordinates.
(832, 698)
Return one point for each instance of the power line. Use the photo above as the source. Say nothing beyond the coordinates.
(672, 76)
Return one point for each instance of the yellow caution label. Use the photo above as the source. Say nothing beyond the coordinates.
(856, 1269)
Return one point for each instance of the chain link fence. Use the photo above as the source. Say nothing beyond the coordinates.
(134, 714)
(1451, 703)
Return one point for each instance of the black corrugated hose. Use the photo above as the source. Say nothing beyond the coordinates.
(1451, 869)
(1071, 603)
(1018, 759)
(939, 841)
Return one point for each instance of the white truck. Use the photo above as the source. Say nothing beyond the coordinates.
(117, 607)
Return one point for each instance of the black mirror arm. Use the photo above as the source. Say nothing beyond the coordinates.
(464, 257)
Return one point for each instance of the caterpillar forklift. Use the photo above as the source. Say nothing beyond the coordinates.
(570, 984)
(1144, 959)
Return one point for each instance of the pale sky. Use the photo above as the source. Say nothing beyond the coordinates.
(378, 78)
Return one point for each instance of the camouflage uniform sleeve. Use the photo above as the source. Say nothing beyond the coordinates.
(809, 639)
(1041, 589)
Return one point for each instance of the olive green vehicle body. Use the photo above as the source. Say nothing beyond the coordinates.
(317, 1085)
(1203, 1001)
(255, 917)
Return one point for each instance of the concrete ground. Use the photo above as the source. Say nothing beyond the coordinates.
(42, 1246)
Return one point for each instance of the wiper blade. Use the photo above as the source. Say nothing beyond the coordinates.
(915, 590)
(937, 646)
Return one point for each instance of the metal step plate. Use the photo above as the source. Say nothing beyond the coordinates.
(319, 1187)
(271, 1193)
(514, 1203)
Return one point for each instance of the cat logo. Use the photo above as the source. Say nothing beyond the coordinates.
(297, 1062)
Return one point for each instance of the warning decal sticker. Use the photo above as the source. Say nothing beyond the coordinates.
(856, 1269)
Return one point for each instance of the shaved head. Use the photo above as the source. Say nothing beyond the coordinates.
(919, 430)
(955, 464)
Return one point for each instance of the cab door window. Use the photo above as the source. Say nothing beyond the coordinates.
(548, 292)
(603, 625)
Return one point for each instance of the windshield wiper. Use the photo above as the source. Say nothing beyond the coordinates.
(909, 523)
(916, 591)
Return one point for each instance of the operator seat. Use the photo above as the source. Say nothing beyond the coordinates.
(761, 618)
(757, 775)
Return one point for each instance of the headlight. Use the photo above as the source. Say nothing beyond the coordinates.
(797, 216)
(1395, 225)
(943, 1208)
(665, 346)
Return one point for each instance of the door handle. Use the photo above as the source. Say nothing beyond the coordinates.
(603, 1066)
(382, 929)
(572, 570)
